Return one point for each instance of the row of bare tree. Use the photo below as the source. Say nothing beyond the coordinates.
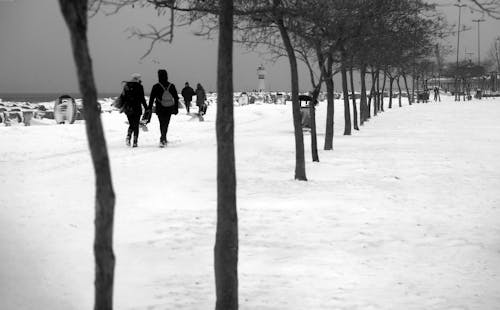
(375, 37)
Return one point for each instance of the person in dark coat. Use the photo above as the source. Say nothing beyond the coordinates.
(201, 96)
(187, 94)
(164, 113)
(133, 101)
(436, 94)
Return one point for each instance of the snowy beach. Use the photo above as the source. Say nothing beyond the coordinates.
(404, 214)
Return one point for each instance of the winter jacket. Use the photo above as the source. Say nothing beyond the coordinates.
(156, 94)
(133, 98)
(200, 96)
(188, 93)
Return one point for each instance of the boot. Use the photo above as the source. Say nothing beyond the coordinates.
(135, 141)
(129, 135)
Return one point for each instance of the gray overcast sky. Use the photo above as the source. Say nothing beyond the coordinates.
(35, 54)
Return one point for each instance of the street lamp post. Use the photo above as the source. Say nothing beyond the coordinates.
(497, 47)
(480, 20)
(460, 6)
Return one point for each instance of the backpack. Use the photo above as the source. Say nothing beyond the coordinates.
(167, 100)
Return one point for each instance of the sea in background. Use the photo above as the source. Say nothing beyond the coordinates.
(45, 97)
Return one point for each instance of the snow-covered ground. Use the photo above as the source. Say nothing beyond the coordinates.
(404, 214)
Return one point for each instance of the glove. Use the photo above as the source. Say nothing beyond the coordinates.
(147, 116)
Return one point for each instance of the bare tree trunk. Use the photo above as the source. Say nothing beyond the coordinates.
(391, 82)
(363, 105)
(381, 107)
(418, 100)
(75, 15)
(372, 93)
(312, 104)
(369, 104)
(413, 86)
(226, 240)
(406, 86)
(300, 165)
(347, 112)
(312, 112)
(330, 112)
(354, 107)
(376, 103)
(399, 90)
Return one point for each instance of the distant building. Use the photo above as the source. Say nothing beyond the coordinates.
(261, 74)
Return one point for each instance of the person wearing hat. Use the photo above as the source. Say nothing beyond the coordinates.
(133, 97)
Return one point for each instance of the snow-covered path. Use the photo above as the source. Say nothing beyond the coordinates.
(404, 214)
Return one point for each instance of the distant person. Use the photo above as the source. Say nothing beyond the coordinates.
(201, 96)
(132, 98)
(164, 95)
(437, 97)
(479, 93)
(187, 94)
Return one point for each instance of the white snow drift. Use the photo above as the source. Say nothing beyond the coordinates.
(401, 215)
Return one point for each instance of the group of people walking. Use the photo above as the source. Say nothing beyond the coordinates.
(165, 98)
(188, 93)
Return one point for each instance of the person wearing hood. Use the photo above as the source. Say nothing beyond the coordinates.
(133, 97)
(201, 96)
(164, 96)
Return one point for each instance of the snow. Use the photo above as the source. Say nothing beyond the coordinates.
(403, 214)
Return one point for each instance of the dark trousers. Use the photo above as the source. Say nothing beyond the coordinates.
(164, 119)
(133, 121)
(187, 103)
